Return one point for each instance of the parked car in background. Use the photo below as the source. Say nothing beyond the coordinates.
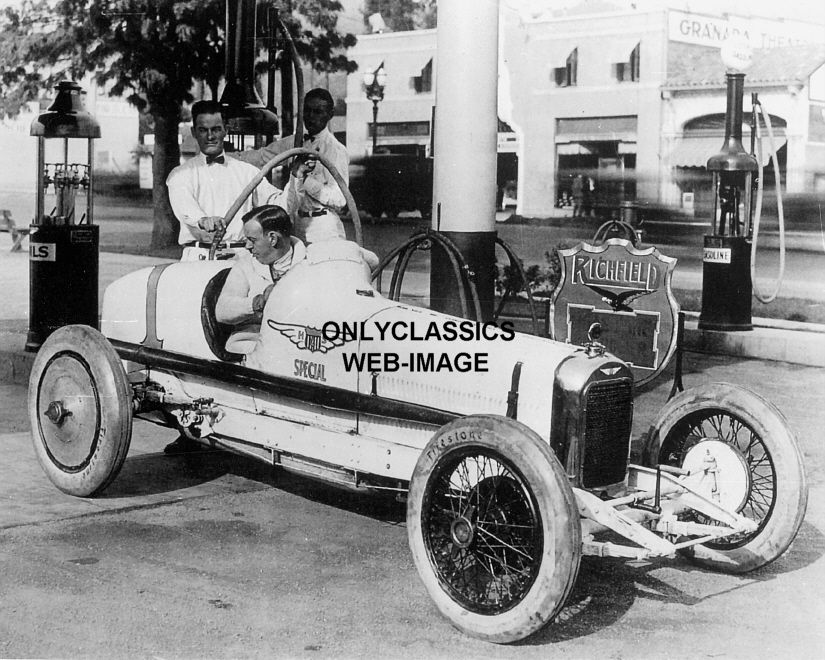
(390, 183)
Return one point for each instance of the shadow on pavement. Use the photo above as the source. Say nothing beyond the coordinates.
(156, 473)
(607, 588)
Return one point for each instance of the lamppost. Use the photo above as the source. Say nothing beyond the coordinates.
(374, 82)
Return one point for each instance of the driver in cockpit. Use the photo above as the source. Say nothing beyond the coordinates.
(267, 230)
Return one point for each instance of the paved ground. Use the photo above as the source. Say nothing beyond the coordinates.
(214, 556)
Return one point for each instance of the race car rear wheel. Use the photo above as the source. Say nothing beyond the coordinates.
(759, 469)
(80, 409)
(493, 527)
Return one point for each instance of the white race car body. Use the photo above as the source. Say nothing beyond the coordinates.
(325, 312)
(512, 451)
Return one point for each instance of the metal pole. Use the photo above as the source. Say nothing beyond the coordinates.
(374, 125)
(464, 178)
(39, 214)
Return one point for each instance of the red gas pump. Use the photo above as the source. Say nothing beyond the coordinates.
(726, 285)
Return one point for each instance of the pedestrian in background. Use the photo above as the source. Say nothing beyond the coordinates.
(578, 195)
(588, 197)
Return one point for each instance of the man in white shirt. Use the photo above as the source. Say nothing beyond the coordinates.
(242, 300)
(312, 194)
(267, 230)
(203, 189)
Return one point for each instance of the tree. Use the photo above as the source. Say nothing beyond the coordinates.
(150, 51)
(403, 15)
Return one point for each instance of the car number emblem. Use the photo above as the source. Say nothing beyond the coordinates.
(308, 339)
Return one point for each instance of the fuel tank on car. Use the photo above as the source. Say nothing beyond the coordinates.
(161, 306)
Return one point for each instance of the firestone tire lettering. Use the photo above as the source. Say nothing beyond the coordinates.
(539, 479)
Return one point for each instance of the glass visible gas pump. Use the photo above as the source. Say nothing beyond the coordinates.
(63, 251)
(726, 283)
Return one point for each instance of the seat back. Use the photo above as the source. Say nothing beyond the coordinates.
(216, 333)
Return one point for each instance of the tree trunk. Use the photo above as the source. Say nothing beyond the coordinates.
(167, 156)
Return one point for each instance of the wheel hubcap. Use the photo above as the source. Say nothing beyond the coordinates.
(726, 479)
(56, 413)
(462, 532)
(70, 419)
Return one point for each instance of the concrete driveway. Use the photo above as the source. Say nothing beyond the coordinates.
(210, 555)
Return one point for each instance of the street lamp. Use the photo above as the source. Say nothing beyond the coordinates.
(374, 82)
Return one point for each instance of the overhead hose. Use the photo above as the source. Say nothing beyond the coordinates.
(268, 166)
(760, 296)
(298, 133)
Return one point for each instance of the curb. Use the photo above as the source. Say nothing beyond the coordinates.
(15, 363)
(770, 339)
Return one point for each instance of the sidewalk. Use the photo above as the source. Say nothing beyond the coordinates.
(798, 343)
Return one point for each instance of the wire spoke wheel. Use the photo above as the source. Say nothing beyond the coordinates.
(482, 533)
(721, 425)
(759, 462)
(493, 527)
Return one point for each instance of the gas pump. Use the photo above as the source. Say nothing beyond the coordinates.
(63, 252)
(726, 284)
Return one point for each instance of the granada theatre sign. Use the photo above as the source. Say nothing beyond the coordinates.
(714, 31)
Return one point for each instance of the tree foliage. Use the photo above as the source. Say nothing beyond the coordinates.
(402, 15)
(149, 51)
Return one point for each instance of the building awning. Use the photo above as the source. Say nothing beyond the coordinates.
(695, 151)
(556, 54)
(407, 65)
(572, 149)
(618, 50)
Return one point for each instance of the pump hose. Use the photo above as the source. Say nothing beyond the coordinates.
(760, 296)
(297, 139)
(268, 166)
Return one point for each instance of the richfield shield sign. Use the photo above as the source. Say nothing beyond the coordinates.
(628, 292)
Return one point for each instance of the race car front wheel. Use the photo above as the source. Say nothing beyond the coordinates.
(757, 466)
(80, 409)
(493, 528)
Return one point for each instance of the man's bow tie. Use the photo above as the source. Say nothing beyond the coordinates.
(307, 136)
(220, 160)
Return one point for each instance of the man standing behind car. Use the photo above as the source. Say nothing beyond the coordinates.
(313, 196)
(203, 189)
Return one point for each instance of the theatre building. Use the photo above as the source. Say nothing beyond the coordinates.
(632, 100)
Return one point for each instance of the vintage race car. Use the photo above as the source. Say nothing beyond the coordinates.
(512, 450)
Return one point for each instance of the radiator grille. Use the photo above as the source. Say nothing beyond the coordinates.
(607, 427)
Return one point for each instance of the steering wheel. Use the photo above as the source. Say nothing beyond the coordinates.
(266, 169)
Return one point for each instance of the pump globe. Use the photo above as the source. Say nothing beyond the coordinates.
(737, 54)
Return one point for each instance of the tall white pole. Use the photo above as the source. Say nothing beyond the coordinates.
(465, 145)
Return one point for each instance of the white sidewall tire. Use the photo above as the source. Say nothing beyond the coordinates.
(107, 424)
(768, 423)
(557, 509)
